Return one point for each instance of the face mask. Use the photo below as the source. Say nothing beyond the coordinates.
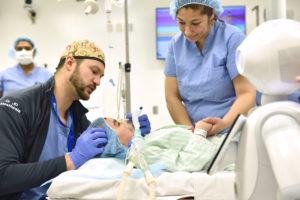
(113, 148)
(24, 57)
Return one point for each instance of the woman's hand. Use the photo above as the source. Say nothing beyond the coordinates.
(218, 125)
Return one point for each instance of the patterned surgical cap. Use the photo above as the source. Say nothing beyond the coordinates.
(84, 49)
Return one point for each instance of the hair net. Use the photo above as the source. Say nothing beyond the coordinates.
(11, 52)
(177, 4)
(113, 148)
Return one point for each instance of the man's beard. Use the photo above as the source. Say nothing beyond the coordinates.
(79, 85)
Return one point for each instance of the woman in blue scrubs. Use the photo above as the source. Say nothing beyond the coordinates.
(201, 78)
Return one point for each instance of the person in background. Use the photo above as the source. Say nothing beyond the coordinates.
(25, 73)
(44, 129)
(201, 78)
(298, 79)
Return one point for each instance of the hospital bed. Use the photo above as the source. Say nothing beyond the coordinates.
(259, 174)
(100, 178)
(199, 185)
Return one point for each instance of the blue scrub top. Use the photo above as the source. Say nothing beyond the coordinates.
(14, 78)
(55, 146)
(205, 78)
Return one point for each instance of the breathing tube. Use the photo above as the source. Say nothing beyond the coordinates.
(135, 157)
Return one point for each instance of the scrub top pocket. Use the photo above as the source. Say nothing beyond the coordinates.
(216, 87)
(219, 85)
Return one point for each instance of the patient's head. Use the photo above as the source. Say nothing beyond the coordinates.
(123, 128)
(119, 133)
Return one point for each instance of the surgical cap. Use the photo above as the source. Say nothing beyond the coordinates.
(84, 49)
(177, 4)
(113, 148)
(11, 52)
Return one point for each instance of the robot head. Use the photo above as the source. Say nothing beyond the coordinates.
(269, 58)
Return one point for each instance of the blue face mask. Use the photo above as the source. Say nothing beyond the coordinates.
(113, 148)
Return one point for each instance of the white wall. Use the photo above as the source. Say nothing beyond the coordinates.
(59, 23)
(293, 7)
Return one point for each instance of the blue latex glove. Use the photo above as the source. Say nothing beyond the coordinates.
(90, 143)
(145, 125)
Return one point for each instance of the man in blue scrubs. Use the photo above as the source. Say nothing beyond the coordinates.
(25, 73)
(201, 78)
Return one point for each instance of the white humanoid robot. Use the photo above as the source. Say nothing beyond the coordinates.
(268, 161)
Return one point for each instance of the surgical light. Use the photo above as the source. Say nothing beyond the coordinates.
(90, 7)
(31, 12)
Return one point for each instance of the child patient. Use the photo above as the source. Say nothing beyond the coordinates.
(124, 129)
(176, 146)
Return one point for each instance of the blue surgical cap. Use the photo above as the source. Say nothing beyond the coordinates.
(11, 52)
(177, 4)
(113, 147)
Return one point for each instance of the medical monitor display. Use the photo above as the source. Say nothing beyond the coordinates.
(166, 27)
(235, 15)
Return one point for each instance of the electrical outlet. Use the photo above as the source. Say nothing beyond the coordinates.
(118, 27)
(109, 27)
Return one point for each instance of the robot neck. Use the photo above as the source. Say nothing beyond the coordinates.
(266, 98)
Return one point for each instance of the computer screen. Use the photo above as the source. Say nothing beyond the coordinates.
(166, 26)
(235, 15)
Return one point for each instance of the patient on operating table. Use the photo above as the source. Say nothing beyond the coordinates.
(175, 146)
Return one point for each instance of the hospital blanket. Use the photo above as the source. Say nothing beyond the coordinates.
(99, 178)
(176, 147)
(179, 149)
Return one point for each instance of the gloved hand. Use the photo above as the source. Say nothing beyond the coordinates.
(145, 125)
(90, 143)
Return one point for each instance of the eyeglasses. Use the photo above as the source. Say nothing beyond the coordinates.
(21, 48)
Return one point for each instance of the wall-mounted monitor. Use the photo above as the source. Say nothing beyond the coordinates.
(235, 15)
(166, 27)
